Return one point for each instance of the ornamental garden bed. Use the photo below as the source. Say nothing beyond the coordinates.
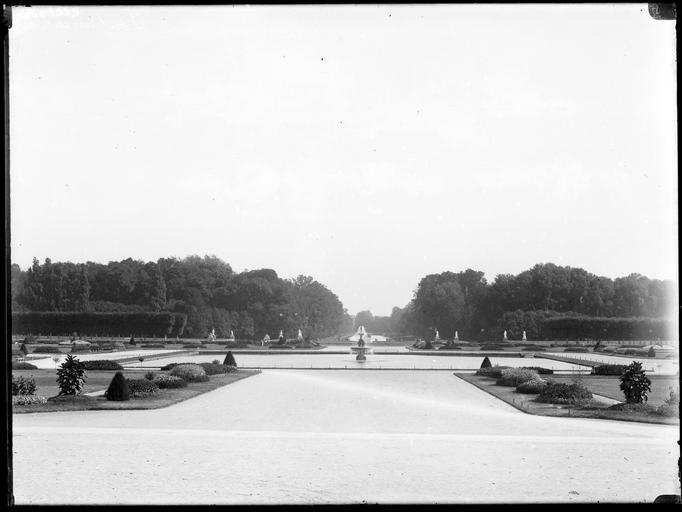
(594, 408)
(101, 380)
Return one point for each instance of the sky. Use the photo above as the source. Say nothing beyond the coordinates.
(366, 146)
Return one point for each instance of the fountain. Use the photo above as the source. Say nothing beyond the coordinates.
(360, 349)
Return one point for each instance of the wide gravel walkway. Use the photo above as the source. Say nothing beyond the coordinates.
(338, 437)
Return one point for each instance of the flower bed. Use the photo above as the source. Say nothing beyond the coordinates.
(515, 376)
(28, 399)
(190, 372)
(216, 369)
(609, 369)
(169, 382)
(561, 393)
(141, 388)
(531, 387)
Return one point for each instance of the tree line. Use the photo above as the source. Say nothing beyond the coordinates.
(465, 302)
(204, 289)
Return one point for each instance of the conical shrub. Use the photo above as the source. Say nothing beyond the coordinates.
(229, 359)
(652, 352)
(118, 389)
(486, 363)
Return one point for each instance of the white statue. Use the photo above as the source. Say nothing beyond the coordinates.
(456, 336)
(505, 336)
(300, 335)
(524, 337)
(437, 335)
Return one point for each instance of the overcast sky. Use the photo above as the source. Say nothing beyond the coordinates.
(366, 146)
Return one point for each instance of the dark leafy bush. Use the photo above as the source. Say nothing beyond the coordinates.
(494, 372)
(149, 375)
(118, 389)
(531, 387)
(141, 388)
(190, 372)
(635, 384)
(229, 359)
(102, 364)
(576, 349)
(23, 386)
(21, 365)
(47, 350)
(515, 376)
(540, 370)
(169, 382)
(563, 393)
(71, 376)
(609, 369)
(486, 363)
(215, 369)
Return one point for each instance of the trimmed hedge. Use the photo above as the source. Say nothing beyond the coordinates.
(141, 388)
(153, 345)
(46, 350)
(515, 376)
(66, 322)
(216, 369)
(493, 347)
(609, 369)
(170, 366)
(21, 365)
(190, 372)
(562, 393)
(102, 364)
(581, 350)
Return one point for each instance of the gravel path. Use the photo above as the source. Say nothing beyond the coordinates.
(338, 437)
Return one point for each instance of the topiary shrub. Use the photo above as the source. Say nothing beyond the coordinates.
(71, 376)
(169, 382)
(515, 376)
(149, 375)
(190, 373)
(141, 388)
(47, 350)
(21, 365)
(23, 386)
(635, 384)
(229, 359)
(28, 400)
(540, 370)
(562, 393)
(652, 352)
(118, 389)
(215, 369)
(494, 372)
(102, 364)
(609, 369)
(531, 387)
(486, 363)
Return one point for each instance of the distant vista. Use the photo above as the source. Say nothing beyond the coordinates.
(195, 297)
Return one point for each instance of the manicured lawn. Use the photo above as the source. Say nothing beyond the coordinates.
(46, 380)
(527, 403)
(164, 398)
